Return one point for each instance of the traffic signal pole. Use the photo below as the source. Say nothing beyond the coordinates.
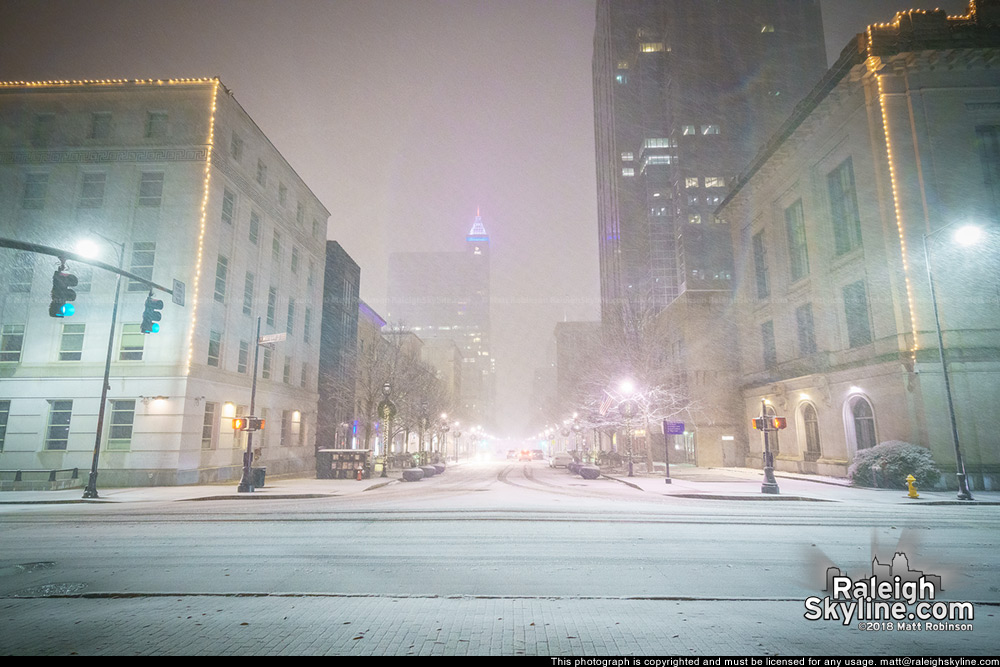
(770, 484)
(246, 482)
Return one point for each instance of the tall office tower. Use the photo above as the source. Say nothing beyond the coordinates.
(685, 93)
(169, 180)
(444, 296)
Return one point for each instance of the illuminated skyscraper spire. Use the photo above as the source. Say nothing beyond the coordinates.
(478, 232)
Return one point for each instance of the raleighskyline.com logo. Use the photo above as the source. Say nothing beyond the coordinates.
(893, 598)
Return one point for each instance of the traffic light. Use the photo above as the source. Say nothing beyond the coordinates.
(248, 424)
(769, 423)
(151, 315)
(62, 294)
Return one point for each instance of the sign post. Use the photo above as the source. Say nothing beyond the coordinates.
(670, 428)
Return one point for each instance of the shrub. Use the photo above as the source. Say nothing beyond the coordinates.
(896, 460)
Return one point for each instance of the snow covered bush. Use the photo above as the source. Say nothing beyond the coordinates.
(895, 460)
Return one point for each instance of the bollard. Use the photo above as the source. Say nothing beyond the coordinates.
(910, 479)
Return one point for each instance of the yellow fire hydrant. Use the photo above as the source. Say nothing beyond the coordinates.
(910, 479)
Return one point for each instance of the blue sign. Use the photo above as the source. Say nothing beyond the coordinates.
(673, 428)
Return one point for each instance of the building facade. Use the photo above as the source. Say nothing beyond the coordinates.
(338, 350)
(845, 225)
(446, 296)
(171, 180)
(685, 91)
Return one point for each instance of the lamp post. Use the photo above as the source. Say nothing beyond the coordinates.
(91, 490)
(966, 238)
(627, 408)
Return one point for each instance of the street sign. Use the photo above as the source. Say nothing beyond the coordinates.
(178, 294)
(271, 338)
(673, 428)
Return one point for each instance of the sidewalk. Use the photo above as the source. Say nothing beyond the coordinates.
(687, 481)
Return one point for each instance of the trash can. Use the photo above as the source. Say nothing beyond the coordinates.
(257, 474)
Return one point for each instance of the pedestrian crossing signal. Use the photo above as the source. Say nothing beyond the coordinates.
(769, 423)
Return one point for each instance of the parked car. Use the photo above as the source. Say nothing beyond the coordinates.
(560, 460)
(537, 454)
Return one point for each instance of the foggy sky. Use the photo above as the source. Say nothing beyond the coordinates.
(403, 117)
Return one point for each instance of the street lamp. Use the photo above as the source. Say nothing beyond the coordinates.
(88, 247)
(966, 235)
(627, 407)
(387, 410)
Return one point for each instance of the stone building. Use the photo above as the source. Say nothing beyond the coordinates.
(172, 180)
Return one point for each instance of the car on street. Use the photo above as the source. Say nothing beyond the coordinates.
(537, 454)
(525, 455)
(560, 460)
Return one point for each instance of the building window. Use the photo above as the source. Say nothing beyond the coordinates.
(651, 47)
(863, 418)
(261, 173)
(21, 273)
(810, 425)
(221, 276)
(859, 330)
(988, 138)
(694, 219)
(248, 285)
(315, 228)
(254, 227)
(282, 194)
(57, 430)
(628, 171)
(304, 376)
(795, 226)
(244, 358)
(132, 343)
(300, 213)
(286, 371)
(307, 325)
(71, 342)
(100, 125)
(228, 206)
(265, 371)
(208, 426)
(290, 320)
(151, 188)
(236, 147)
(844, 208)
(294, 266)
(715, 182)
(35, 188)
(143, 256)
(627, 157)
(122, 419)
(11, 342)
(768, 345)
(214, 348)
(298, 433)
(691, 182)
(4, 414)
(43, 130)
(276, 248)
(806, 328)
(760, 266)
(272, 305)
(92, 190)
(156, 124)
(710, 129)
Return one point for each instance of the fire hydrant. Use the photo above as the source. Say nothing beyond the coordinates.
(910, 479)
(360, 474)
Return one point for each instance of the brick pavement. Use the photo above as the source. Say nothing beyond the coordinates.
(427, 626)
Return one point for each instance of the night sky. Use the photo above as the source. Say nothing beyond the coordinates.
(404, 117)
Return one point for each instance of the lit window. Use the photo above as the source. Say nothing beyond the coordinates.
(621, 78)
(688, 129)
(694, 219)
(627, 157)
(691, 182)
(715, 182)
(651, 47)
(767, 27)
(710, 129)
(628, 171)
(659, 142)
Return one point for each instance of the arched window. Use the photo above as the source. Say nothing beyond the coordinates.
(810, 426)
(864, 424)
